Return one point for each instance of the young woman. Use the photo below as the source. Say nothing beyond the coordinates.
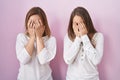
(83, 47)
(36, 47)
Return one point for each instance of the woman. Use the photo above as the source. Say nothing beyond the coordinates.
(36, 47)
(83, 47)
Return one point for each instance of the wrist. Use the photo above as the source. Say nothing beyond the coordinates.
(32, 38)
(39, 37)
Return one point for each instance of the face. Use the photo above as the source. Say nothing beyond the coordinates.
(34, 19)
(77, 21)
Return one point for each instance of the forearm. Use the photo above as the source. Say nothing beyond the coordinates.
(93, 53)
(40, 44)
(30, 46)
(48, 52)
(71, 50)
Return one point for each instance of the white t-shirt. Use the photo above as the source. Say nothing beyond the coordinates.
(82, 58)
(35, 67)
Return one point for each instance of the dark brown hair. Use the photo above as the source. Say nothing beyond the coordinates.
(38, 11)
(83, 13)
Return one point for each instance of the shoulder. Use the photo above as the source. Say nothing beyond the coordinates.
(98, 36)
(51, 38)
(21, 36)
(66, 38)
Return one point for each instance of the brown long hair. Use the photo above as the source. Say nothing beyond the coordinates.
(83, 13)
(38, 11)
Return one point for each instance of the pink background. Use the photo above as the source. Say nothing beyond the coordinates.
(104, 13)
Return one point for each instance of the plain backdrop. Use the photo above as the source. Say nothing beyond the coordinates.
(105, 15)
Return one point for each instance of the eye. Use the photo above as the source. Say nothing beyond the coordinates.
(75, 23)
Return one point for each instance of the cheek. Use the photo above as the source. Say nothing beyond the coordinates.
(28, 29)
(74, 28)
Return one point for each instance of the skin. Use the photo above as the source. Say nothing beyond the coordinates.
(79, 27)
(35, 30)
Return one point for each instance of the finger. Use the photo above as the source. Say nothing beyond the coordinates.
(40, 22)
(81, 25)
(28, 24)
(36, 24)
(85, 31)
(31, 24)
(84, 27)
(33, 31)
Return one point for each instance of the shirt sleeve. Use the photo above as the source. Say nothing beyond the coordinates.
(94, 54)
(48, 53)
(71, 49)
(22, 55)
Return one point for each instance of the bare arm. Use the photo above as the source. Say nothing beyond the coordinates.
(40, 44)
(39, 30)
(30, 45)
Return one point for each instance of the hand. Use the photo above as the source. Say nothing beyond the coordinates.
(82, 29)
(31, 29)
(39, 29)
(77, 31)
(31, 33)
